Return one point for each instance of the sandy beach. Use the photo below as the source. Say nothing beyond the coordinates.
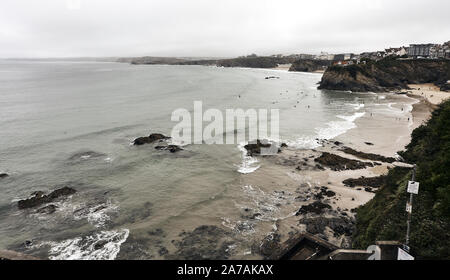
(430, 92)
(296, 170)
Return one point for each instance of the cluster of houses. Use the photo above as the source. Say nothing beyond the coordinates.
(414, 51)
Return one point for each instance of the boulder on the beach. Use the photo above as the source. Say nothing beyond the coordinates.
(171, 148)
(39, 198)
(338, 163)
(150, 139)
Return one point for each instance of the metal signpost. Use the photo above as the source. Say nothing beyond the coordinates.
(413, 188)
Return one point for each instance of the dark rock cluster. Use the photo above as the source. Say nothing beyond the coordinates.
(316, 207)
(339, 225)
(338, 163)
(368, 156)
(150, 139)
(170, 148)
(374, 182)
(39, 198)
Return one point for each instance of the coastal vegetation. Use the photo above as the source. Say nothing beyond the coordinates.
(384, 217)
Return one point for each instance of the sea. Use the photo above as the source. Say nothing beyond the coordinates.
(72, 123)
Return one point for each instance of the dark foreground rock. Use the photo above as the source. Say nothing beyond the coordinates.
(368, 156)
(150, 139)
(338, 163)
(39, 198)
(205, 242)
(339, 225)
(374, 182)
(171, 148)
(316, 207)
(3, 175)
(269, 245)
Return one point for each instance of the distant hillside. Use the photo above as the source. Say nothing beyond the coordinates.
(256, 61)
(386, 74)
(384, 217)
(310, 65)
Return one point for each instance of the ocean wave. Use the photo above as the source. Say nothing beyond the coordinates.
(104, 245)
(304, 143)
(249, 164)
(97, 215)
(357, 106)
(336, 128)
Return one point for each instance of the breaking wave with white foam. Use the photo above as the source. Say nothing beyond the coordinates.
(104, 245)
(249, 164)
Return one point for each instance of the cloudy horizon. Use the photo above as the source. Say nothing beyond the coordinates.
(205, 28)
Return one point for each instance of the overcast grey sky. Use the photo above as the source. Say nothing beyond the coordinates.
(63, 28)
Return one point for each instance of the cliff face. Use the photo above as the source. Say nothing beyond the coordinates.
(309, 65)
(384, 75)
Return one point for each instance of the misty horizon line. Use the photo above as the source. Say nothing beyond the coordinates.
(206, 56)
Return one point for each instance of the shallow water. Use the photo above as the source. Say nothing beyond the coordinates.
(71, 124)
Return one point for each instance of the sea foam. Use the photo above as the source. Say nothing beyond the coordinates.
(104, 245)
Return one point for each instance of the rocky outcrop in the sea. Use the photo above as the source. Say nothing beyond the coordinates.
(385, 75)
(309, 65)
(39, 198)
(3, 175)
(368, 156)
(338, 163)
(150, 139)
(374, 182)
(170, 148)
(254, 149)
(86, 155)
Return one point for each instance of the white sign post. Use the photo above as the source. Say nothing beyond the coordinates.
(413, 187)
(408, 207)
(404, 256)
